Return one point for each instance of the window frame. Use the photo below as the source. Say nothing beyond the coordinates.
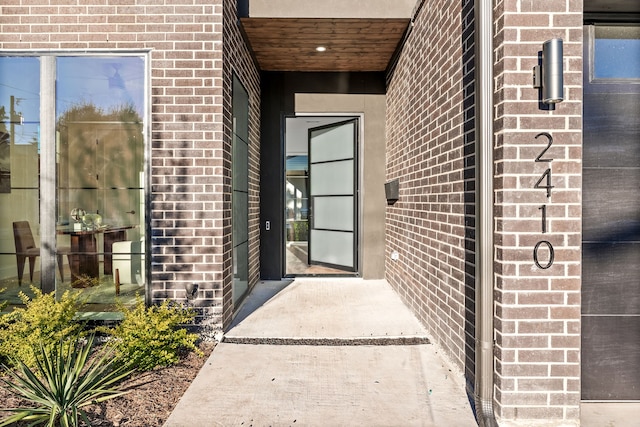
(604, 85)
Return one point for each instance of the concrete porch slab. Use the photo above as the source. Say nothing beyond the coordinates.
(325, 308)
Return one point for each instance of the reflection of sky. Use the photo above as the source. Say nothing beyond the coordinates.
(617, 58)
(106, 82)
(20, 78)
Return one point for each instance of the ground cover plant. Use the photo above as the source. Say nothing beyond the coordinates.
(151, 341)
(43, 320)
(149, 337)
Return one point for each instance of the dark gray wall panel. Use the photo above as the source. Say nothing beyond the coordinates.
(611, 204)
(610, 358)
(611, 278)
(612, 134)
(611, 238)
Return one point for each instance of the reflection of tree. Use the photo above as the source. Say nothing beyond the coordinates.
(89, 112)
(101, 156)
(5, 159)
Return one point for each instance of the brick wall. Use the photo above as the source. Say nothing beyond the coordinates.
(428, 151)
(431, 150)
(190, 139)
(537, 310)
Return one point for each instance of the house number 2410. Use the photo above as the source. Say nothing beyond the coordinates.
(544, 183)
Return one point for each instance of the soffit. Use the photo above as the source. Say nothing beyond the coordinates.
(331, 8)
(352, 44)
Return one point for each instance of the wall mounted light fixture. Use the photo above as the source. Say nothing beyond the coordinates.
(548, 75)
(191, 290)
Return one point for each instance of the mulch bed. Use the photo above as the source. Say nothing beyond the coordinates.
(152, 396)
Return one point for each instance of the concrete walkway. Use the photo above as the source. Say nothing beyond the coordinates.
(325, 352)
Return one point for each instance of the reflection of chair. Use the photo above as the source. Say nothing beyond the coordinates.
(26, 248)
(128, 261)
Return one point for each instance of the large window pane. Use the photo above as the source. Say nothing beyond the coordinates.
(19, 175)
(98, 165)
(617, 52)
(100, 181)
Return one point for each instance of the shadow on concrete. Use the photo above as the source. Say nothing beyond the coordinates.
(259, 295)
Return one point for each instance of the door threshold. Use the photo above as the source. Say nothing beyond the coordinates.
(293, 276)
(606, 413)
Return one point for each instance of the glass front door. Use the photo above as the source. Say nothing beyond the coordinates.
(321, 196)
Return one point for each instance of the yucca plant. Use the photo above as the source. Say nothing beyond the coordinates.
(64, 381)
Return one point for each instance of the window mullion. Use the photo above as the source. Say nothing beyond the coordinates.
(47, 173)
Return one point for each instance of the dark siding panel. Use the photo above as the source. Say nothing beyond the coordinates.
(612, 131)
(611, 204)
(611, 278)
(610, 362)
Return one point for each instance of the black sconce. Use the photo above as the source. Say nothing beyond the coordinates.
(548, 75)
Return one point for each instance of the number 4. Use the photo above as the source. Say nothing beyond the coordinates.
(548, 186)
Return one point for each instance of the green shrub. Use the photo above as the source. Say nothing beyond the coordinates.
(43, 320)
(63, 382)
(3, 304)
(300, 231)
(153, 336)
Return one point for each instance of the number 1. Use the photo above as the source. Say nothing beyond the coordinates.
(543, 208)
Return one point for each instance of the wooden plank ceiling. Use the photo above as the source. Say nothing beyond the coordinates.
(289, 44)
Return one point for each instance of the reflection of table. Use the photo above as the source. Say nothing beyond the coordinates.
(83, 258)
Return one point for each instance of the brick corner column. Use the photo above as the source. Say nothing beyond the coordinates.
(538, 168)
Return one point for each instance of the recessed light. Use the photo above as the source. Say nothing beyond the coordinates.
(321, 48)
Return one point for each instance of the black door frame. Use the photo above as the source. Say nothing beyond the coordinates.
(356, 193)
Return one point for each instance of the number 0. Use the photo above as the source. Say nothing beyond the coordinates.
(551, 254)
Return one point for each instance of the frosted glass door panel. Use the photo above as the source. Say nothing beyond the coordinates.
(330, 143)
(332, 247)
(334, 213)
(332, 161)
(335, 178)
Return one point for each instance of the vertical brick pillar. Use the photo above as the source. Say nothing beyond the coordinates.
(189, 160)
(190, 167)
(238, 61)
(537, 324)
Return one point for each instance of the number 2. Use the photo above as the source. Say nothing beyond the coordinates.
(550, 139)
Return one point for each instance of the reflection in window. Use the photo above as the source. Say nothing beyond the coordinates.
(19, 175)
(99, 168)
(109, 84)
(617, 52)
(240, 164)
